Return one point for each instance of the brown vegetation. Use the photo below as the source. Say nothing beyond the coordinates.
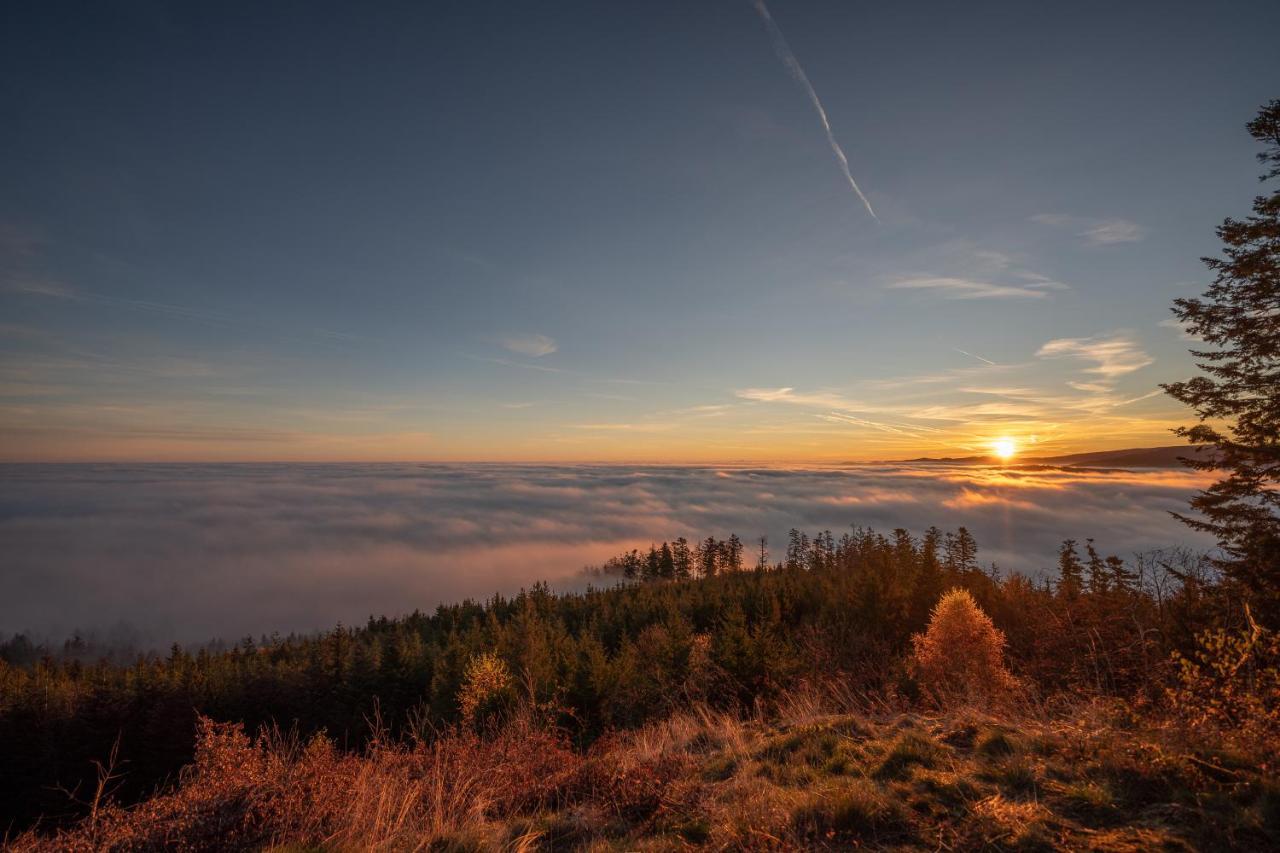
(816, 772)
(960, 657)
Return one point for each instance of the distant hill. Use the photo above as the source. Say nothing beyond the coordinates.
(1142, 457)
(1134, 457)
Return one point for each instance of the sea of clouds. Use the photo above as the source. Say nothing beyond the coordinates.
(192, 552)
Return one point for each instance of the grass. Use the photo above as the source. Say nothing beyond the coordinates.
(909, 749)
(857, 808)
(807, 777)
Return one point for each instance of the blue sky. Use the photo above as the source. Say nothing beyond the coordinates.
(609, 231)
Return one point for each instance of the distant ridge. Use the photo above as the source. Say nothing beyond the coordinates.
(1141, 457)
(1135, 457)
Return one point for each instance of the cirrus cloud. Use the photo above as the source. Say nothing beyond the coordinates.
(530, 345)
(1113, 356)
(1096, 232)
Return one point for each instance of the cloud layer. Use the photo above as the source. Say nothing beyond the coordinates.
(197, 551)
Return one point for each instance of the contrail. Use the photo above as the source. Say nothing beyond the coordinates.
(783, 52)
(971, 355)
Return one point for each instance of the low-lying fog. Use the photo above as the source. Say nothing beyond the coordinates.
(191, 552)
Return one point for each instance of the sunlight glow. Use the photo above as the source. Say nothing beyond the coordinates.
(1005, 448)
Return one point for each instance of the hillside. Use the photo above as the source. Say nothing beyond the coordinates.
(700, 702)
(809, 776)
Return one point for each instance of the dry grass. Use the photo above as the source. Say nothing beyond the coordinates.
(813, 773)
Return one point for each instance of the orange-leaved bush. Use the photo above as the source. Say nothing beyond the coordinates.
(487, 688)
(960, 656)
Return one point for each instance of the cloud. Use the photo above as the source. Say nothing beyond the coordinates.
(1113, 356)
(531, 345)
(1096, 232)
(964, 288)
(624, 427)
(816, 399)
(1111, 231)
(506, 362)
(1181, 328)
(789, 61)
(189, 552)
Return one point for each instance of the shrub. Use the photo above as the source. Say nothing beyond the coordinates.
(486, 690)
(1232, 680)
(960, 657)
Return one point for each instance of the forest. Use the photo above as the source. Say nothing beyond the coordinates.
(682, 625)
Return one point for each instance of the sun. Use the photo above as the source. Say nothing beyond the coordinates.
(1005, 448)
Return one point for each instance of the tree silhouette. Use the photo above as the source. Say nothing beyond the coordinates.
(1238, 400)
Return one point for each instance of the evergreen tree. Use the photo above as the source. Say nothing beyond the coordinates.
(733, 553)
(682, 559)
(1122, 577)
(961, 551)
(651, 571)
(1070, 571)
(709, 557)
(1099, 573)
(666, 563)
(797, 549)
(631, 565)
(1238, 401)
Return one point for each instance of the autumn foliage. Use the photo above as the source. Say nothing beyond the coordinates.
(960, 657)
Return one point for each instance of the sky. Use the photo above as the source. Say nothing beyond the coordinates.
(656, 232)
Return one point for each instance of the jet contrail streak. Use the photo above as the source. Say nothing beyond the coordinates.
(783, 52)
(971, 355)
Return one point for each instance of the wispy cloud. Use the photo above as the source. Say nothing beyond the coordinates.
(624, 427)
(1113, 356)
(897, 429)
(1181, 328)
(524, 365)
(789, 61)
(817, 399)
(530, 345)
(964, 288)
(1114, 231)
(1097, 232)
(962, 270)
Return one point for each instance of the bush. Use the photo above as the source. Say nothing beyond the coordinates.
(1232, 681)
(960, 657)
(486, 689)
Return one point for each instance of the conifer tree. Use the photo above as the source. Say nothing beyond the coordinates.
(709, 557)
(733, 553)
(682, 559)
(1237, 397)
(961, 551)
(1070, 571)
(1099, 573)
(666, 563)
